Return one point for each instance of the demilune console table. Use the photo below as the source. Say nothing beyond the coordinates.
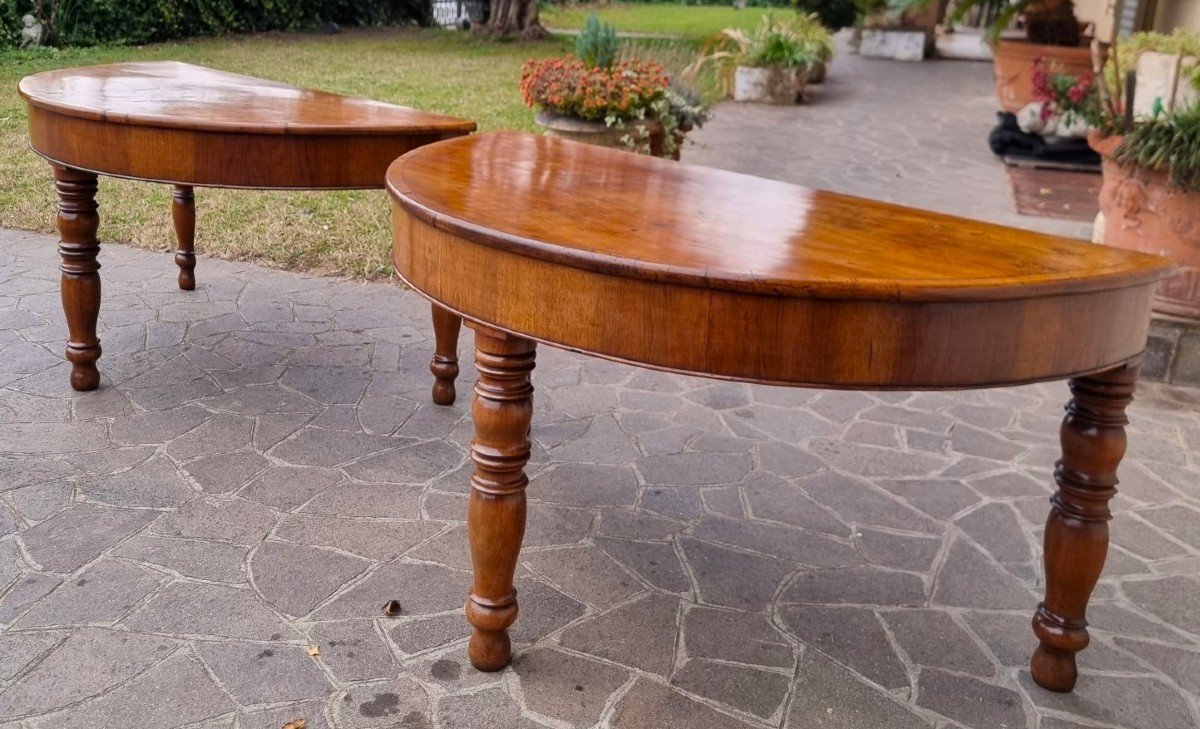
(706, 272)
(192, 126)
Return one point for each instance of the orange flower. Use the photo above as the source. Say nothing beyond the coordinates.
(566, 86)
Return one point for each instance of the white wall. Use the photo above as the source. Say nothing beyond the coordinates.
(1098, 12)
(1172, 14)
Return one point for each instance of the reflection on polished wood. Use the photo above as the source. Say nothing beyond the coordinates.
(192, 126)
(714, 273)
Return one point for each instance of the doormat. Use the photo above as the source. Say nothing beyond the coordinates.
(1054, 189)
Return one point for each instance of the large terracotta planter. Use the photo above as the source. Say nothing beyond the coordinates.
(1013, 65)
(647, 141)
(1143, 213)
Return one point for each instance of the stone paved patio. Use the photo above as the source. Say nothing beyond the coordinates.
(261, 471)
(909, 133)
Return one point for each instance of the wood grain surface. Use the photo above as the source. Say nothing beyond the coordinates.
(710, 272)
(190, 125)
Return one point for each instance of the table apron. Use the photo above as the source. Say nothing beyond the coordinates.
(220, 159)
(837, 343)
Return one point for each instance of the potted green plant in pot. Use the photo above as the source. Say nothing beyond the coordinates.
(1052, 32)
(818, 39)
(597, 98)
(683, 107)
(1149, 140)
(772, 63)
(900, 31)
(601, 106)
(825, 17)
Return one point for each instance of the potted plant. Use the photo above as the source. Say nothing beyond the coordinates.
(602, 106)
(679, 111)
(596, 98)
(1150, 147)
(683, 107)
(772, 63)
(1050, 30)
(818, 39)
(901, 31)
(1065, 105)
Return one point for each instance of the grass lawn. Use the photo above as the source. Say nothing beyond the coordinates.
(327, 232)
(696, 22)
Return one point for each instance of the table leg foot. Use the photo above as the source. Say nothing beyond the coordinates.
(1076, 541)
(444, 366)
(78, 223)
(502, 410)
(183, 215)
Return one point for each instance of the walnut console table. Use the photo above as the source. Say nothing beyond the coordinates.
(192, 126)
(706, 272)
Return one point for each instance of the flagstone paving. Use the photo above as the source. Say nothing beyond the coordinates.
(261, 471)
(263, 475)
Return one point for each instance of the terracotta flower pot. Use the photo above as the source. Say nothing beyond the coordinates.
(600, 134)
(1142, 212)
(1013, 65)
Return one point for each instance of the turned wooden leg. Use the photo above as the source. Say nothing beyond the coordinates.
(78, 223)
(502, 410)
(183, 215)
(446, 325)
(1076, 542)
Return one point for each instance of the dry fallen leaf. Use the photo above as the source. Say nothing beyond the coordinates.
(295, 724)
(313, 651)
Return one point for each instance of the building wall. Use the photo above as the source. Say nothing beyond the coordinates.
(1098, 12)
(1172, 14)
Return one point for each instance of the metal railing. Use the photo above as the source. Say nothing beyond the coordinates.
(461, 14)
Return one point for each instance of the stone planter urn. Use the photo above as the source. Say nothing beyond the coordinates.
(1142, 212)
(896, 44)
(769, 84)
(908, 38)
(647, 136)
(817, 73)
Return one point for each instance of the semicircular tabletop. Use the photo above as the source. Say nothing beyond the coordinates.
(177, 122)
(596, 208)
(712, 272)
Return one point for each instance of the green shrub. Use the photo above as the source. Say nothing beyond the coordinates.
(10, 21)
(597, 44)
(93, 22)
(1169, 141)
(1182, 41)
(834, 14)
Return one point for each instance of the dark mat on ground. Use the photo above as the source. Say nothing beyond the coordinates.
(1007, 140)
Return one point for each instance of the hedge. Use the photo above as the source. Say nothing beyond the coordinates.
(93, 22)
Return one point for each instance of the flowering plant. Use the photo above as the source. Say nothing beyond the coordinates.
(1073, 98)
(567, 86)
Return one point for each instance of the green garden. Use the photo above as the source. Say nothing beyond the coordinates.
(343, 233)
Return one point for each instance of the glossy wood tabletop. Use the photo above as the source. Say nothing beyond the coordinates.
(638, 216)
(712, 272)
(174, 94)
(176, 122)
